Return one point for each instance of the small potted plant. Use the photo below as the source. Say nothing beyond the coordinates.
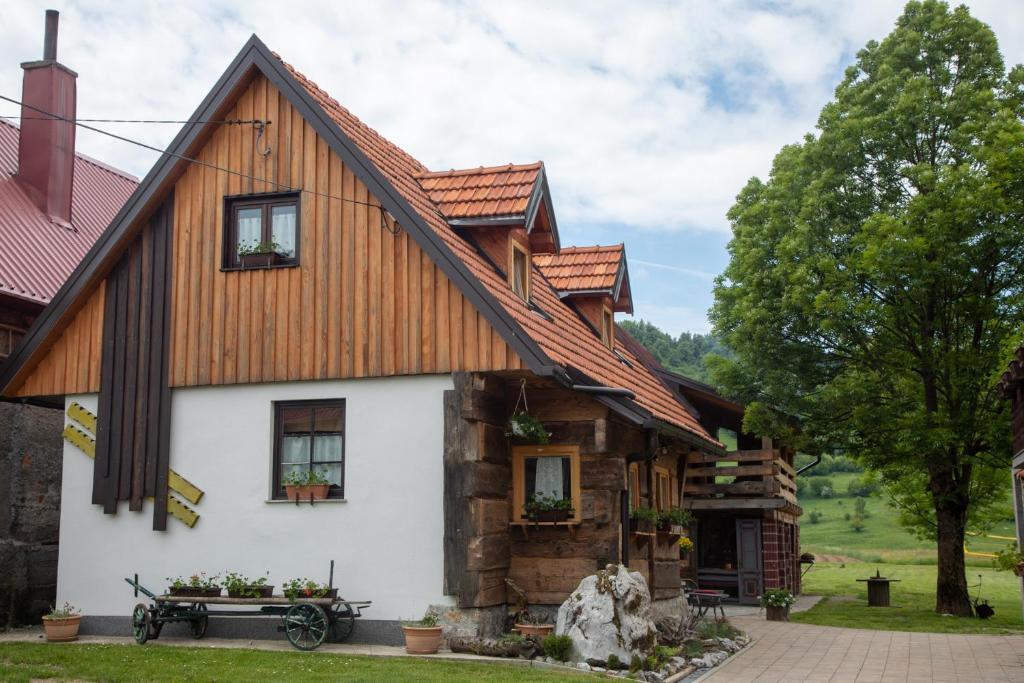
(239, 586)
(195, 586)
(674, 521)
(529, 624)
(776, 603)
(1010, 559)
(423, 636)
(307, 589)
(644, 520)
(308, 485)
(528, 429)
(544, 508)
(685, 545)
(61, 624)
(259, 254)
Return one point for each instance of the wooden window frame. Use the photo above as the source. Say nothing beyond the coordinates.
(265, 201)
(514, 246)
(661, 498)
(10, 335)
(519, 455)
(635, 497)
(608, 326)
(277, 488)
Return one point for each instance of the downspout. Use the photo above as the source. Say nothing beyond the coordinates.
(650, 453)
(817, 459)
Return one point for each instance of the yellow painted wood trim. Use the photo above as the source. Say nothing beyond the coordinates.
(81, 415)
(184, 487)
(181, 512)
(79, 438)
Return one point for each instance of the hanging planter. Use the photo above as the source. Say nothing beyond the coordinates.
(523, 426)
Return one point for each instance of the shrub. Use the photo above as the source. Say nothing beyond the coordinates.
(558, 647)
(861, 487)
(826, 492)
(814, 517)
(718, 628)
(613, 662)
(1007, 559)
(817, 484)
(857, 523)
(861, 507)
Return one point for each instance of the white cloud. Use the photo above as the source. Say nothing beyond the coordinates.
(649, 115)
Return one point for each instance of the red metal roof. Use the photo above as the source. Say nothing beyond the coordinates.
(37, 254)
(564, 337)
(482, 192)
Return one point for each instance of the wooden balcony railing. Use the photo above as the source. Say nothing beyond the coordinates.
(740, 474)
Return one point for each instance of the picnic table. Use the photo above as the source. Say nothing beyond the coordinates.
(307, 622)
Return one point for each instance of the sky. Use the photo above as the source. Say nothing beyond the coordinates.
(649, 116)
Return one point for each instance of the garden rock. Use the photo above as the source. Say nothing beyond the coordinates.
(609, 613)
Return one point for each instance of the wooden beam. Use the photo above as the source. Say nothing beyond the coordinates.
(736, 488)
(766, 470)
(734, 503)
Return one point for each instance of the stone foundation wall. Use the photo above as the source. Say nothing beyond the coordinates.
(30, 481)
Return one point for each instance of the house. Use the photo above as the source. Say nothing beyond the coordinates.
(388, 323)
(54, 203)
(1011, 388)
(747, 533)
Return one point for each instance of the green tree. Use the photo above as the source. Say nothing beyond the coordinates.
(876, 276)
(684, 354)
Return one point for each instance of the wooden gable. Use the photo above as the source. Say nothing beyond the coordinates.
(363, 302)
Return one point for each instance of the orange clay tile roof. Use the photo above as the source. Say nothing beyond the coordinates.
(482, 192)
(581, 268)
(565, 338)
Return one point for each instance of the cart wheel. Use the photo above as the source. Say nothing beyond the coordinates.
(305, 625)
(141, 623)
(197, 626)
(343, 622)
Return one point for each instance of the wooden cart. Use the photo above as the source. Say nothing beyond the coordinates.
(307, 622)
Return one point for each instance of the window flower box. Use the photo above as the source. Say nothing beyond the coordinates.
(259, 260)
(300, 492)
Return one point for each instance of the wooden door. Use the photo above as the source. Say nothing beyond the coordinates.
(749, 559)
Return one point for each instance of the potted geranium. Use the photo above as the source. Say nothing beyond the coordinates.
(644, 519)
(529, 624)
(422, 636)
(61, 624)
(307, 485)
(544, 508)
(674, 521)
(239, 586)
(259, 254)
(307, 589)
(195, 586)
(776, 603)
(527, 428)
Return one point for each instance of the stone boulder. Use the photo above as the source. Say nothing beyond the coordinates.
(609, 613)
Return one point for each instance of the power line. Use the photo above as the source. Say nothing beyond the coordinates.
(200, 162)
(52, 117)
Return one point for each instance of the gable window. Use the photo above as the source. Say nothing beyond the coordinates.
(608, 327)
(9, 338)
(309, 436)
(545, 473)
(519, 271)
(261, 230)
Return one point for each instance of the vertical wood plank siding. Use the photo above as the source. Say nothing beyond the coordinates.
(362, 302)
(132, 436)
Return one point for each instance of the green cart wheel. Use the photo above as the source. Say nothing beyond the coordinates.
(141, 623)
(306, 626)
(197, 626)
(343, 622)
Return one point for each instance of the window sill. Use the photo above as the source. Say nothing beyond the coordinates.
(232, 269)
(285, 501)
(571, 524)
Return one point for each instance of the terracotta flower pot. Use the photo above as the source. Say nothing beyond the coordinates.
(303, 493)
(62, 630)
(777, 613)
(538, 630)
(422, 640)
(260, 591)
(1019, 569)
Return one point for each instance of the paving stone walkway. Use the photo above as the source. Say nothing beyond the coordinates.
(804, 653)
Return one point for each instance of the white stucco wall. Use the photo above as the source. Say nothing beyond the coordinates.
(386, 539)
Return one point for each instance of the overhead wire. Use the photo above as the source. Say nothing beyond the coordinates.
(257, 123)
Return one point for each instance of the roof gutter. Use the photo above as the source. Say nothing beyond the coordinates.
(603, 390)
(813, 463)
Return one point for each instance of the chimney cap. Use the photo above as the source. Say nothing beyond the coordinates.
(50, 36)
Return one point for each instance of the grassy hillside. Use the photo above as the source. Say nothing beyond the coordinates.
(883, 539)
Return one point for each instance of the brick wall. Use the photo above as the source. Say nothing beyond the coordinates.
(780, 547)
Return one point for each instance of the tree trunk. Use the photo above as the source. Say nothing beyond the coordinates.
(951, 517)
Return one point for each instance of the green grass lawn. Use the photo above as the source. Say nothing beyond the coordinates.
(883, 539)
(913, 599)
(31, 661)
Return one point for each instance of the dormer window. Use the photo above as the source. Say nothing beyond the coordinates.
(261, 230)
(608, 327)
(519, 271)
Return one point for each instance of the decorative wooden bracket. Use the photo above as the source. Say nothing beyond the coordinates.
(86, 443)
